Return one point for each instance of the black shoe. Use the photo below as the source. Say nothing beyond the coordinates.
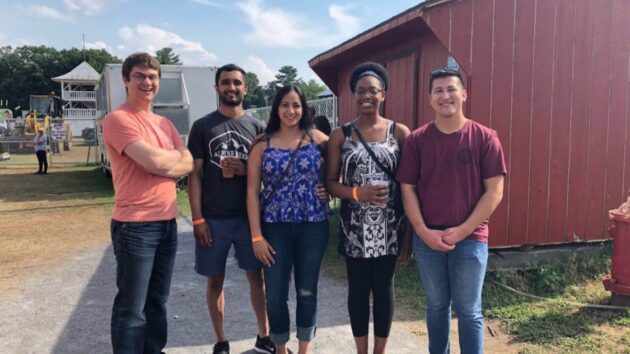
(264, 345)
(221, 348)
(37, 173)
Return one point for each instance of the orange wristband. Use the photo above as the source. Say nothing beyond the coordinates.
(257, 238)
(199, 221)
(355, 194)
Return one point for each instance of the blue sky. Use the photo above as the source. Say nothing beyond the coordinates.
(260, 35)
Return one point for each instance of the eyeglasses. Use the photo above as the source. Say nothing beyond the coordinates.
(372, 91)
(141, 77)
(446, 71)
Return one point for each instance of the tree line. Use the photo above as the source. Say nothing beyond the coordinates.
(28, 70)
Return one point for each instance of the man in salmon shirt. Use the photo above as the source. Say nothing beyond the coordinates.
(147, 155)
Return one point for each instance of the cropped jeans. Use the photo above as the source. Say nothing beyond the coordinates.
(145, 257)
(453, 277)
(300, 246)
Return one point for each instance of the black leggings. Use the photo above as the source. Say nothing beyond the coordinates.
(376, 276)
(43, 162)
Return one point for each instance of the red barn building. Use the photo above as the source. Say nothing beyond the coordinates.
(550, 76)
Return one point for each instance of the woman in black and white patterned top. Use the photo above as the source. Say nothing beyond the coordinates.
(365, 153)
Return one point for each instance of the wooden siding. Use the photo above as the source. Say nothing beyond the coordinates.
(550, 97)
(552, 77)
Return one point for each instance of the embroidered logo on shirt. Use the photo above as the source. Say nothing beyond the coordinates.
(464, 156)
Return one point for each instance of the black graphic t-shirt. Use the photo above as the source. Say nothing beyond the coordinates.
(211, 137)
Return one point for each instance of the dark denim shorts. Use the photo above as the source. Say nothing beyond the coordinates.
(210, 261)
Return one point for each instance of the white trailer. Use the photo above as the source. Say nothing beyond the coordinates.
(186, 94)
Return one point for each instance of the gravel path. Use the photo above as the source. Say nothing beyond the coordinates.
(67, 310)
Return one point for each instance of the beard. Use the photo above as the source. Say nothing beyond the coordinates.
(232, 103)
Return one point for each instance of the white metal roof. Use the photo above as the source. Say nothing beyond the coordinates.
(84, 72)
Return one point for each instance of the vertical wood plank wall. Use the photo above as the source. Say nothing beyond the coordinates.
(552, 78)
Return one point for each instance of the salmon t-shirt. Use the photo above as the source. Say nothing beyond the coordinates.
(139, 195)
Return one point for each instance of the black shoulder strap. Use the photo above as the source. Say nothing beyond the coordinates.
(372, 155)
(347, 132)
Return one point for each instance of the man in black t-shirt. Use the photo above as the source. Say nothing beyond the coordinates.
(219, 143)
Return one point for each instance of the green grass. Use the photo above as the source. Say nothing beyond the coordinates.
(182, 203)
(65, 187)
(549, 324)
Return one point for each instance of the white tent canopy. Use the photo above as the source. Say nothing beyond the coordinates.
(83, 73)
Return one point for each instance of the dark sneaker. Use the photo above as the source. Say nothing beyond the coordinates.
(264, 345)
(221, 348)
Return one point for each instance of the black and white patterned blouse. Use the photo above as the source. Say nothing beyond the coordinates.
(369, 231)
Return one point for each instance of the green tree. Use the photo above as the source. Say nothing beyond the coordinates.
(255, 94)
(167, 56)
(311, 89)
(28, 70)
(287, 75)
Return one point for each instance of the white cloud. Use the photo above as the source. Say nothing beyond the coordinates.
(18, 42)
(98, 45)
(86, 7)
(73, 7)
(260, 68)
(150, 39)
(273, 27)
(126, 33)
(346, 24)
(120, 47)
(44, 12)
(209, 3)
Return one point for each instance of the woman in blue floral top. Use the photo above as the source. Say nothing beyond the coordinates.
(289, 217)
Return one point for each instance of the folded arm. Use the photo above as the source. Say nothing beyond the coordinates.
(158, 161)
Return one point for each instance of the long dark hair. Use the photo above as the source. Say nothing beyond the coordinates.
(273, 125)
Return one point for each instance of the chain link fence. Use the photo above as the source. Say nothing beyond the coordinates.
(71, 142)
(323, 107)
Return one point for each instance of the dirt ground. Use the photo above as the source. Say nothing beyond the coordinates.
(44, 220)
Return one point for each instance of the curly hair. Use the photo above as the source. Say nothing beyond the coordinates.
(375, 69)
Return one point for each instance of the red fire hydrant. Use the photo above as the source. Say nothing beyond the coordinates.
(619, 280)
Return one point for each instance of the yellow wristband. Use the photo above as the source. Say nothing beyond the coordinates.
(257, 238)
(355, 194)
(199, 221)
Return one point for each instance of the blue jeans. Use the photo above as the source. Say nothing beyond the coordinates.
(457, 277)
(145, 256)
(299, 245)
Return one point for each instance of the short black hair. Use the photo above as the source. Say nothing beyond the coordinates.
(322, 124)
(377, 68)
(445, 72)
(229, 67)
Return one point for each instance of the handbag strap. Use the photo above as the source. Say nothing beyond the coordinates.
(286, 169)
(371, 152)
